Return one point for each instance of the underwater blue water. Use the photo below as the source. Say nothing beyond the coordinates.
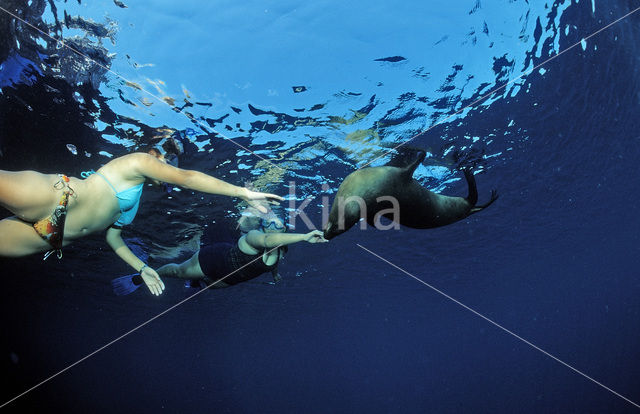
(555, 260)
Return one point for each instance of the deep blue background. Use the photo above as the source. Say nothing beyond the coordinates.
(555, 260)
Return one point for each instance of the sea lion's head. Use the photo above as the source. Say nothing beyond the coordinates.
(330, 231)
(345, 213)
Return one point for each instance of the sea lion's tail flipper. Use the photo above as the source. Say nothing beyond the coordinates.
(494, 197)
(472, 198)
(409, 169)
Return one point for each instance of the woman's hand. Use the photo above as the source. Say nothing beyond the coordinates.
(257, 200)
(152, 280)
(315, 236)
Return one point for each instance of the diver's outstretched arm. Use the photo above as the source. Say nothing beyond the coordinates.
(260, 240)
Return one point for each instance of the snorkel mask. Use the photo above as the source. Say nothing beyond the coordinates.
(271, 224)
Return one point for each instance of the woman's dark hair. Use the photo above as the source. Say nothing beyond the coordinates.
(164, 143)
(171, 146)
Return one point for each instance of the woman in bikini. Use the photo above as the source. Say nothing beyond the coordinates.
(107, 199)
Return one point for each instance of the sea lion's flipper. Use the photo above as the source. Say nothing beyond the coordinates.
(472, 198)
(410, 169)
(494, 197)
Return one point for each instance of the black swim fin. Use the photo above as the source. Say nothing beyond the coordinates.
(124, 285)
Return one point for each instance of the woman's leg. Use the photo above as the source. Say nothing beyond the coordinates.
(189, 269)
(29, 195)
(18, 238)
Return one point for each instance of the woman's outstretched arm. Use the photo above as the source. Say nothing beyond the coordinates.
(149, 166)
(150, 277)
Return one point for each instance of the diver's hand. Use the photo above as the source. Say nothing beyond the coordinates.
(152, 280)
(315, 236)
(257, 200)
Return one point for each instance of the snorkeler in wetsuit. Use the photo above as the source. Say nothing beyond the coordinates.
(107, 199)
(219, 265)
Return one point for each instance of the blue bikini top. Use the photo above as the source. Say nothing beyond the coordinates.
(128, 200)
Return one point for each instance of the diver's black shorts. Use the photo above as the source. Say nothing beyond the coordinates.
(213, 260)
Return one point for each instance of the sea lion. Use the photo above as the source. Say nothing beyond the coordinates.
(393, 193)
